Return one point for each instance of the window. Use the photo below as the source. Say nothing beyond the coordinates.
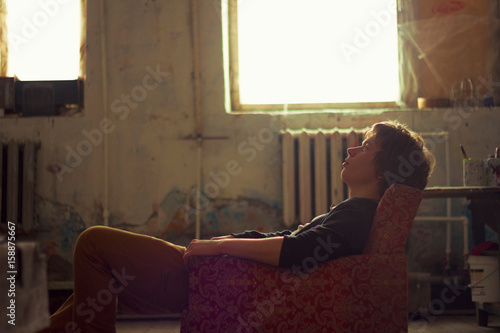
(43, 39)
(315, 54)
(41, 56)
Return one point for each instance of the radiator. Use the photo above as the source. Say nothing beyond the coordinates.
(17, 184)
(312, 162)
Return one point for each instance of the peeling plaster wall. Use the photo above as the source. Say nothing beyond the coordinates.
(152, 152)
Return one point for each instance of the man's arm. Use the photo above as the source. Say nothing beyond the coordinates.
(264, 250)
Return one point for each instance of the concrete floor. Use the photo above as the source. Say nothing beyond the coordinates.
(441, 324)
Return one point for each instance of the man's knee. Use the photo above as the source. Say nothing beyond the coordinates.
(90, 236)
(92, 232)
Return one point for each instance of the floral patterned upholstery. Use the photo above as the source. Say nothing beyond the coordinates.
(393, 219)
(361, 293)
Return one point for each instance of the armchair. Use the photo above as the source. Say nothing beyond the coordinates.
(359, 293)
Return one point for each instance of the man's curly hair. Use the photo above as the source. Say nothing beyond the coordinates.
(403, 157)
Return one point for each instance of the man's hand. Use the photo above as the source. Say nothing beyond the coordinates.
(202, 248)
(222, 237)
(264, 250)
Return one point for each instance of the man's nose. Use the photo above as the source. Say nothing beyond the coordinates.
(352, 151)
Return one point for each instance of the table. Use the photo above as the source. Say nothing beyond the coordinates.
(485, 210)
(484, 206)
(460, 191)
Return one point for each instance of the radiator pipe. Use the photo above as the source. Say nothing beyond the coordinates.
(448, 219)
(104, 78)
(197, 110)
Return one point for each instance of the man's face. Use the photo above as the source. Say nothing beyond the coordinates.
(359, 167)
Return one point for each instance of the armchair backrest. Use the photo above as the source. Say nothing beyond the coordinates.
(393, 219)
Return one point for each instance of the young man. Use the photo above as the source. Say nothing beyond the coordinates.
(146, 275)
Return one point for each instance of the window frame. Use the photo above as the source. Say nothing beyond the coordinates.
(232, 66)
(75, 87)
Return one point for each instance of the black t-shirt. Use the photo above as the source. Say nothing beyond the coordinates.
(341, 232)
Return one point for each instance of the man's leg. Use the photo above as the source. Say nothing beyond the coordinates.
(145, 274)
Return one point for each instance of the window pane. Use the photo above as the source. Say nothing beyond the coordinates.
(44, 39)
(317, 51)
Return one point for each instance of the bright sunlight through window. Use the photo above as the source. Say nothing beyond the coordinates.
(44, 39)
(317, 51)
